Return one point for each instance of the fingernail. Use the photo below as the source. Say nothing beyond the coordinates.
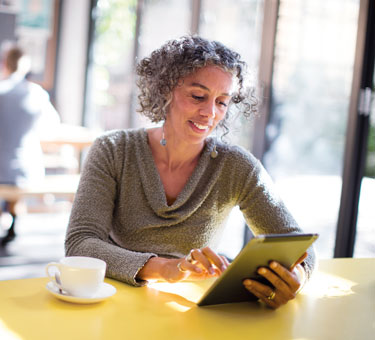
(273, 265)
(198, 270)
(223, 268)
(211, 270)
(261, 271)
(247, 283)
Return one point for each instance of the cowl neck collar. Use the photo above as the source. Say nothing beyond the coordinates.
(195, 190)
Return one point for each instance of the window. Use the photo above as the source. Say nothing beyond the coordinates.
(311, 87)
(109, 88)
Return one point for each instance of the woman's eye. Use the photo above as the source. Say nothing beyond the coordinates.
(197, 97)
(223, 104)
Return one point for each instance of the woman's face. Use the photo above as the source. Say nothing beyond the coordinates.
(199, 102)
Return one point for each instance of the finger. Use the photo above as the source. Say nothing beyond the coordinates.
(214, 258)
(182, 267)
(300, 260)
(277, 282)
(202, 259)
(289, 277)
(210, 261)
(225, 260)
(272, 297)
(261, 292)
(186, 265)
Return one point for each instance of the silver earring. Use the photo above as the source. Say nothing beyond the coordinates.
(214, 152)
(163, 141)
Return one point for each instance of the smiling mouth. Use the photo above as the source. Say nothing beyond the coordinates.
(200, 126)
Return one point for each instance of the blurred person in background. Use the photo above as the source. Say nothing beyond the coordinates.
(25, 110)
(151, 202)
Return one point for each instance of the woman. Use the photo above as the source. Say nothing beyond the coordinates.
(151, 201)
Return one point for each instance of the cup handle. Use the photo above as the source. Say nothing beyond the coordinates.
(56, 277)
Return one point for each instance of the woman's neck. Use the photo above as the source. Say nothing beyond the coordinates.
(175, 154)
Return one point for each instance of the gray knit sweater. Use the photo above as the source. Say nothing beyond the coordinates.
(120, 213)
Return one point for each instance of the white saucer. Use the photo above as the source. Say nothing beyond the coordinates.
(105, 291)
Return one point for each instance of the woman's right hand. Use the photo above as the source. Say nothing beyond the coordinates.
(198, 265)
(203, 263)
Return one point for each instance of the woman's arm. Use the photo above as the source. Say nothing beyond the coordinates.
(91, 217)
(265, 212)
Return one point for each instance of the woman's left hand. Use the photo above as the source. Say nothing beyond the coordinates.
(286, 283)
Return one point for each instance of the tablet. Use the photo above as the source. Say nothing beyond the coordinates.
(259, 251)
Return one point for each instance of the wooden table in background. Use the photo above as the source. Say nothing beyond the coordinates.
(62, 185)
(338, 303)
(62, 173)
(77, 136)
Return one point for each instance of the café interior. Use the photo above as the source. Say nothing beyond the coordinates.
(313, 63)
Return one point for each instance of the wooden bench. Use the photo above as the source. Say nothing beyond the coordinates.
(53, 186)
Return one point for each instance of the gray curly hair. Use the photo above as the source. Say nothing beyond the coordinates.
(159, 74)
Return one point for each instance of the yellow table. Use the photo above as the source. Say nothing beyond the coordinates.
(338, 303)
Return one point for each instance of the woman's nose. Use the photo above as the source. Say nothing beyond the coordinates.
(208, 110)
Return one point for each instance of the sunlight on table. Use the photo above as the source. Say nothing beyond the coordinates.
(6, 333)
(189, 290)
(325, 285)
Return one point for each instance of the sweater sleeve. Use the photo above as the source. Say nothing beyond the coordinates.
(91, 217)
(265, 212)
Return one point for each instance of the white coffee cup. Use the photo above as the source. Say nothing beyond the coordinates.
(77, 275)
